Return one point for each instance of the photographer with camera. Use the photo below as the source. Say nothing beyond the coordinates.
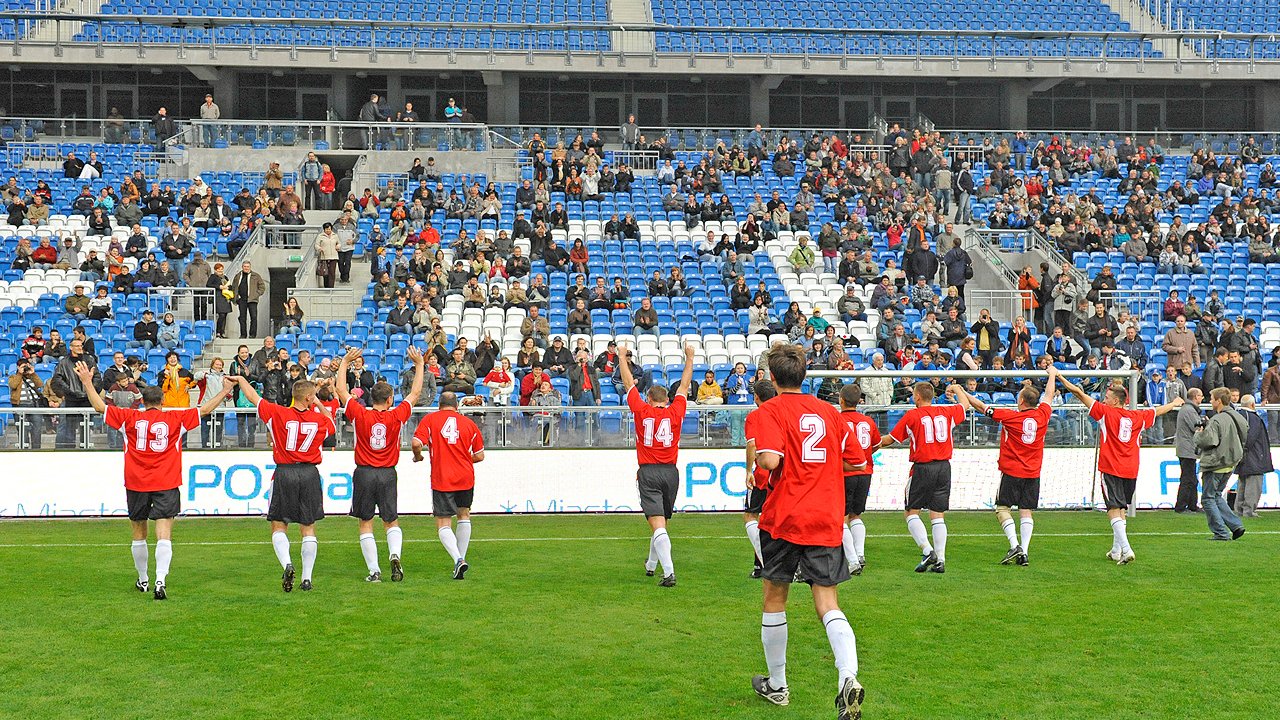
(26, 390)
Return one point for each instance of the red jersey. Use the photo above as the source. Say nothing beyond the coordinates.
(1121, 437)
(806, 491)
(377, 433)
(657, 428)
(451, 439)
(866, 434)
(929, 429)
(152, 445)
(1022, 439)
(758, 474)
(296, 435)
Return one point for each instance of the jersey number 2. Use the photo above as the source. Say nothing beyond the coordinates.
(814, 429)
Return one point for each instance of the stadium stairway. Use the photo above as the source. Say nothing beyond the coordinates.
(631, 11)
(1140, 19)
(47, 31)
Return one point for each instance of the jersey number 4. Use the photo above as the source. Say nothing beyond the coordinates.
(449, 431)
(300, 435)
(661, 434)
(153, 437)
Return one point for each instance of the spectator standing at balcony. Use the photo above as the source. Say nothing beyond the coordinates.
(370, 114)
(247, 287)
(164, 128)
(209, 112)
(311, 173)
(630, 133)
(964, 187)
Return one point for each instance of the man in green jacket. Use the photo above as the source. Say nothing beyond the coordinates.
(1221, 445)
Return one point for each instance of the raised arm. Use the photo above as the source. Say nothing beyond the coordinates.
(686, 377)
(1173, 404)
(416, 388)
(340, 382)
(624, 369)
(85, 373)
(1080, 394)
(247, 390)
(1050, 386)
(965, 399)
(215, 399)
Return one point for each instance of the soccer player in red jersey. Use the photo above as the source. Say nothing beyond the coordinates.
(800, 440)
(864, 438)
(297, 493)
(658, 421)
(1118, 454)
(928, 427)
(152, 467)
(757, 480)
(456, 445)
(1022, 434)
(374, 482)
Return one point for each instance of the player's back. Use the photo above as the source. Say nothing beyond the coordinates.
(1121, 430)
(152, 444)
(806, 492)
(930, 430)
(1022, 434)
(451, 439)
(864, 433)
(657, 428)
(377, 433)
(297, 434)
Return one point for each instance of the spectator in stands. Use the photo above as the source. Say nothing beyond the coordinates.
(93, 268)
(1260, 250)
(100, 306)
(27, 390)
(168, 333)
(579, 319)
(164, 276)
(802, 258)
(460, 375)
(646, 319)
(65, 384)
(1100, 328)
(247, 287)
(164, 128)
(45, 255)
(1239, 375)
(77, 304)
(1173, 307)
(400, 317)
(1134, 347)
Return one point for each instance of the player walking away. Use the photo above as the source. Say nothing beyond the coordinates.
(1121, 434)
(297, 493)
(658, 420)
(152, 467)
(864, 440)
(757, 481)
(800, 441)
(374, 483)
(1022, 434)
(928, 427)
(456, 445)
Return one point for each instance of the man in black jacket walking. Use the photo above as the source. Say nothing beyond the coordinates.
(1256, 463)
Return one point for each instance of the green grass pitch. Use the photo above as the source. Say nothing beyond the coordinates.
(557, 620)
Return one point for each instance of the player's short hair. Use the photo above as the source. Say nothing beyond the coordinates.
(381, 392)
(1029, 396)
(152, 396)
(1120, 392)
(1222, 395)
(765, 390)
(657, 394)
(850, 395)
(448, 399)
(303, 390)
(923, 390)
(787, 365)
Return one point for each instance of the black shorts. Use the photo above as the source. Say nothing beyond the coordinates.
(1022, 493)
(929, 486)
(755, 500)
(373, 491)
(1117, 492)
(153, 505)
(658, 485)
(822, 566)
(446, 503)
(297, 495)
(856, 490)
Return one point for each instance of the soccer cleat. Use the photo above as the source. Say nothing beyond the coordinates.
(667, 580)
(460, 569)
(1113, 555)
(1022, 560)
(855, 569)
(938, 567)
(375, 576)
(286, 580)
(140, 586)
(397, 570)
(927, 561)
(649, 570)
(1237, 533)
(1126, 557)
(777, 696)
(160, 593)
(306, 585)
(849, 700)
(1012, 556)
(756, 573)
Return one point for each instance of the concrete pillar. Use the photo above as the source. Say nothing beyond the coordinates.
(1016, 95)
(503, 97)
(226, 92)
(1266, 110)
(761, 86)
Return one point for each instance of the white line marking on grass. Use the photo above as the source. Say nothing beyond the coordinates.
(637, 538)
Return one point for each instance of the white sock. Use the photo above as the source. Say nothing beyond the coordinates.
(1007, 526)
(395, 541)
(310, 546)
(846, 539)
(450, 542)
(753, 534)
(859, 532)
(662, 546)
(915, 526)
(280, 543)
(1027, 526)
(464, 537)
(773, 633)
(843, 644)
(1120, 538)
(652, 563)
(369, 549)
(940, 539)
(141, 556)
(164, 556)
